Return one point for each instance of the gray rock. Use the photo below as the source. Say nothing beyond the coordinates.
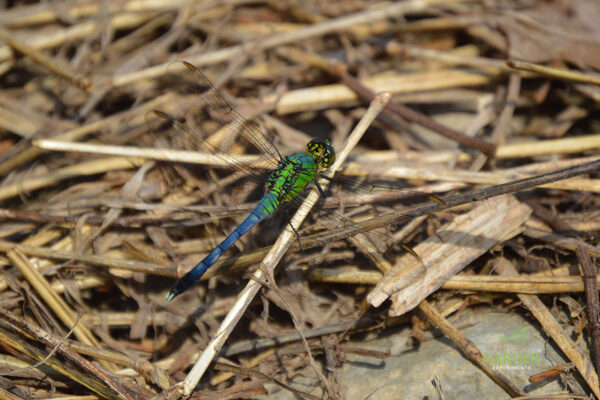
(508, 341)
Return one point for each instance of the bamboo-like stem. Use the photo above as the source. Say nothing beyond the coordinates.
(85, 168)
(58, 68)
(97, 260)
(149, 153)
(556, 73)
(43, 13)
(336, 95)
(570, 145)
(590, 276)
(526, 284)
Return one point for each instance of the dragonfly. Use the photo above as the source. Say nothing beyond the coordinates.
(283, 185)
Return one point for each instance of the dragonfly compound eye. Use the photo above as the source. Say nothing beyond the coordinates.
(322, 152)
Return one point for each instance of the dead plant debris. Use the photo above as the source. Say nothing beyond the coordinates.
(473, 190)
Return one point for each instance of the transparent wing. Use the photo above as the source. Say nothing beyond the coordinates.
(212, 113)
(187, 129)
(348, 207)
(383, 190)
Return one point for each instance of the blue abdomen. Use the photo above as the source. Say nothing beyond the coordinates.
(265, 207)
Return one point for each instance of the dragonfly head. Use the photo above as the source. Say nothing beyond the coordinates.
(322, 152)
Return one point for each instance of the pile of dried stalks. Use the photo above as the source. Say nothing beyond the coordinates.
(101, 200)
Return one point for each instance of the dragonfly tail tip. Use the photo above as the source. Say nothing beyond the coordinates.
(170, 296)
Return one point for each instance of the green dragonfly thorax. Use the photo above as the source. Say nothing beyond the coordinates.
(322, 152)
(294, 172)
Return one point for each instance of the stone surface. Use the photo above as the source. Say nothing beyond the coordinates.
(509, 341)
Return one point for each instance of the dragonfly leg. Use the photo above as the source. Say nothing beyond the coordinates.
(269, 279)
(321, 200)
(320, 188)
(287, 217)
(297, 236)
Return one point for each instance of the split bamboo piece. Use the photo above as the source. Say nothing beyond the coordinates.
(452, 248)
